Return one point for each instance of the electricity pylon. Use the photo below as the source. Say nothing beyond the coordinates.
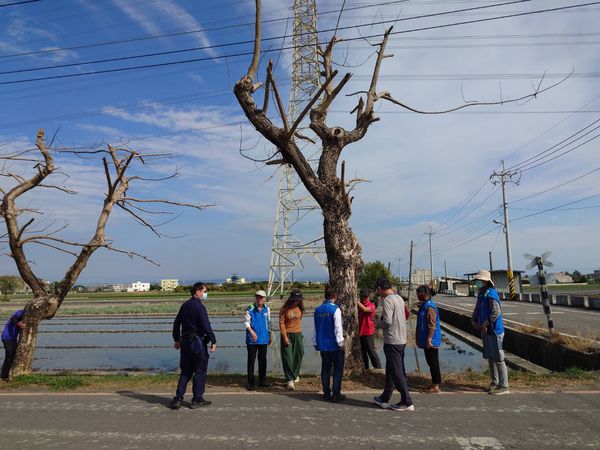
(293, 202)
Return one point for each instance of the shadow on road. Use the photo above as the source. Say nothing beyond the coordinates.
(313, 397)
(148, 398)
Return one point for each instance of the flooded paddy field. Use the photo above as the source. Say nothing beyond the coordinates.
(145, 343)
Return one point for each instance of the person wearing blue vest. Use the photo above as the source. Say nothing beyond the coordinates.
(487, 319)
(257, 321)
(429, 335)
(10, 339)
(329, 340)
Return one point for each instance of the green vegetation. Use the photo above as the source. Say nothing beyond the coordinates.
(54, 382)
(371, 271)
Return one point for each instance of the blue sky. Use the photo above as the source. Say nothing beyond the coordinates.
(421, 168)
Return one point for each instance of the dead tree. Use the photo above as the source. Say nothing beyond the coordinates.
(116, 162)
(328, 186)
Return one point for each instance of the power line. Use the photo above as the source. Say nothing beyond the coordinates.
(23, 2)
(247, 53)
(556, 207)
(557, 186)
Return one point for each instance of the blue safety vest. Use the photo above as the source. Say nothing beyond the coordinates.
(259, 321)
(422, 328)
(483, 309)
(324, 327)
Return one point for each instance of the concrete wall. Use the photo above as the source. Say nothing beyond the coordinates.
(575, 301)
(530, 347)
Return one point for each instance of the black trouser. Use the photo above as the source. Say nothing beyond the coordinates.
(193, 362)
(261, 351)
(433, 361)
(10, 349)
(394, 374)
(333, 358)
(367, 347)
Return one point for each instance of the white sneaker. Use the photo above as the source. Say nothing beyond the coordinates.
(402, 407)
(290, 386)
(381, 403)
(499, 391)
(297, 380)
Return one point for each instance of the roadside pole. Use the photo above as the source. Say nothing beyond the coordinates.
(410, 265)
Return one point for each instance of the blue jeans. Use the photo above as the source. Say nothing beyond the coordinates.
(333, 358)
(193, 363)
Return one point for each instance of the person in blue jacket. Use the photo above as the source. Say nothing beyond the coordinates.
(429, 335)
(192, 333)
(329, 340)
(487, 318)
(10, 338)
(257, 321)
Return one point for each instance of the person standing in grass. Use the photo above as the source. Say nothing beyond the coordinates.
(329, 341)
(292, 341)
(191, 334)
(487, 318)
(10, 339)
(366, 329)
(257, 321)
(429, 335)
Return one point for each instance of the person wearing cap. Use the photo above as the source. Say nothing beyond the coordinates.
(10, 339)
(257, 321)
(329, 341)
(292, 341)
(366, 329)
(393, 324)
(191, 334)
(487, 318)
(429, 335)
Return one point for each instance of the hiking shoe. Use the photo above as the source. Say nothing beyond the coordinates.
(176, 403)
(290, 386)
(402, 407)
(338, 398)
(490, 387)
(199, 403)
(499, 391)
(381, 403)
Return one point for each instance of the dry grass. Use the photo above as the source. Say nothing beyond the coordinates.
(586, 342)
(533, 327)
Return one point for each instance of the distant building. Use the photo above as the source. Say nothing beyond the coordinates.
(236, 279)
(420, 276)
(139, 286)
(558, 278)
(118, 288)
(500, 279)
(597, 276)
(169, 285)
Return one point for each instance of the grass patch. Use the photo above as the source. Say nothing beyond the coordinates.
(54, 382)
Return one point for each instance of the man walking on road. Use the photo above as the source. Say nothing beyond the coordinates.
(191, 334)
(487, 318)
(329, 340)
(393, 323)
(257, 321)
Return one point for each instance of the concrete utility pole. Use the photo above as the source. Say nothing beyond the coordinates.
(505, 176)
(431, 233)
(408, 300)
(491, 266)
(446, 275)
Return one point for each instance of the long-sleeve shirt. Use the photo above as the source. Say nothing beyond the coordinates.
(11, 330)
(290, 321)
(192, 319)
(393, 320)
(338, 330)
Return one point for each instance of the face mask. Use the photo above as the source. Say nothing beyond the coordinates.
(204, 295)
(479, 284)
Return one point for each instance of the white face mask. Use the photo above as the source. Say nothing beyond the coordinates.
(204, 295)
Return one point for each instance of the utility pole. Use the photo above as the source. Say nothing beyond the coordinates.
(410, 264)
(503, 177)
(446, 276)
(491, 266)
(431, 233)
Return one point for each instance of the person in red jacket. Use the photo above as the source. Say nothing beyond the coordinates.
(366, 329)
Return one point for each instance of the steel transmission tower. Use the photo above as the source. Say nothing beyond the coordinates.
(293, 203)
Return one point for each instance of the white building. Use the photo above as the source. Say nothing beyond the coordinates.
(169, 285)
(236, 279)
(139, 286)
(420, 276)
(558, 278)
(119, 288)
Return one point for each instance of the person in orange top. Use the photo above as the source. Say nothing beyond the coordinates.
(292, 341)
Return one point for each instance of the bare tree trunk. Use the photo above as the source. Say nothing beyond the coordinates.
(343, 259)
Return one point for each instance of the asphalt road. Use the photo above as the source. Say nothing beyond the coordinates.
(271, 421)
(574, 321)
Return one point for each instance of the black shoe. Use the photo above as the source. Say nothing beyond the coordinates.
(176, 403)
(199, 403)
(338, 398)
(251, 387)
(265, 385)
(327, 397)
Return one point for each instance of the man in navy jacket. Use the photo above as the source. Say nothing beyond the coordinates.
(10, 337)
(191, 334)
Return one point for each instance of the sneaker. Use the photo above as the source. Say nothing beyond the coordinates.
(402, 407)
(290, 386)
(176, 403)
(297, 380)
(199, 403)
(490, 387)
(499, 391)
(381, 403)
(338, 398)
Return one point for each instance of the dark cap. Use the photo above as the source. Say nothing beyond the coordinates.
(296, 295)
(364, 292)
(383, 283)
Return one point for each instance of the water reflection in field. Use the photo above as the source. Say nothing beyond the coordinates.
(145, 343)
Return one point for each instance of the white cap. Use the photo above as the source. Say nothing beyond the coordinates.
(261, 294)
